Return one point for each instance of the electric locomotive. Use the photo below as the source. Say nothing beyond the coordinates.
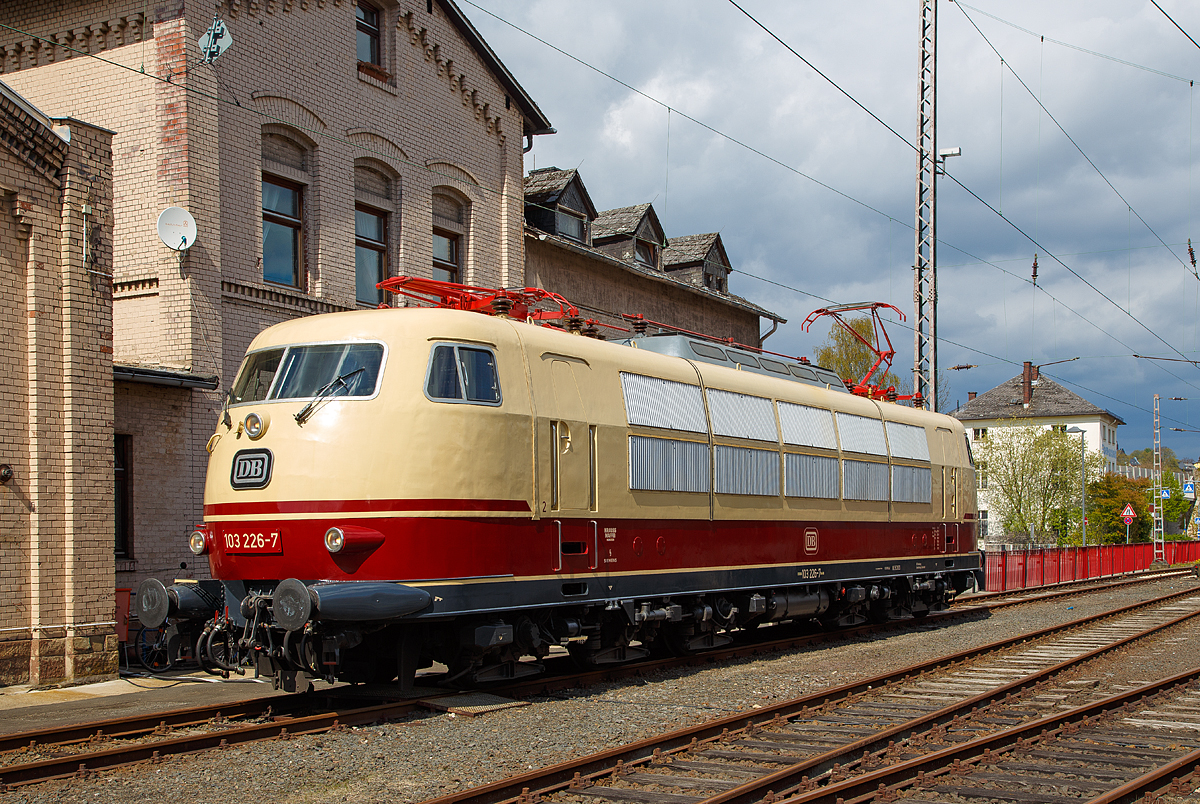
(389, 488)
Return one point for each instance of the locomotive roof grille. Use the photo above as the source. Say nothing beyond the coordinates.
(682, 346)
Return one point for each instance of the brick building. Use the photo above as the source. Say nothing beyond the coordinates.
(56, 520)
(621, 261)
(332, 144)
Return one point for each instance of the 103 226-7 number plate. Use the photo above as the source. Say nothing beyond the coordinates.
(264, 542)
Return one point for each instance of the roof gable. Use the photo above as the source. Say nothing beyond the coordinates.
(552, 186)
(535, 121)
(695, 249)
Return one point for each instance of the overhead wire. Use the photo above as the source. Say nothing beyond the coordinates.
(971, 192)
(1070, 139)
(1061, 43)
(997, 359)
(1176, 24)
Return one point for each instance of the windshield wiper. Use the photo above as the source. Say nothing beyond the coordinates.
(326, 390)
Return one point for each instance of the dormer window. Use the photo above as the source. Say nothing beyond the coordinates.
(645, 253)
(571, 226)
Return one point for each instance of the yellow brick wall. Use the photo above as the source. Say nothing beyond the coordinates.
(56, 513)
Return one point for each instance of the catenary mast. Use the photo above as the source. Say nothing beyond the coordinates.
(925, 265)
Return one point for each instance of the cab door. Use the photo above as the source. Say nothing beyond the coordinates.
(950, 496)
(567, 464)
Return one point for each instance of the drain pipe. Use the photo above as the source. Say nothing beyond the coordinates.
(774, 326)
(531, 134)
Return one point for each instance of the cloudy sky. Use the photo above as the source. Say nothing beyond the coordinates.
(814, 199)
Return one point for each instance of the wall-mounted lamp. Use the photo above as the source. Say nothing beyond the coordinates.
(6, 473)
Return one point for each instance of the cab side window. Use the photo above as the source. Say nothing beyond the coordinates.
(459, 373)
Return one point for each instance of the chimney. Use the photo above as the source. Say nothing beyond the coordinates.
(1037, 373)
(1027, 382)
(970, 395)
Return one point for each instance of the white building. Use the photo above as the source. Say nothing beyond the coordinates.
(1030, 400)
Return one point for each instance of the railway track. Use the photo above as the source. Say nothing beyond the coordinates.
(843, 744)
(29, 757)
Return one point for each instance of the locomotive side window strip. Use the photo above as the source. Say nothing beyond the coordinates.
(907, 441)
(741, 470)
(741, 416)
(459, 373)
(807, 427)
(810, 476)
(665, 464)
(860, 434)
(662, 403)
(912, 484)
(863, 480)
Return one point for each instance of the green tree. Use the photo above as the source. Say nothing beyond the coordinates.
(1033, 481)
(1146, 458)
(1107, 498)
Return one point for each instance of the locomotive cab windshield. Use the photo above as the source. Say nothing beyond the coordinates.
(303, 372)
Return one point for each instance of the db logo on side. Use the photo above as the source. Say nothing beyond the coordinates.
(251, 469)
(810, 541)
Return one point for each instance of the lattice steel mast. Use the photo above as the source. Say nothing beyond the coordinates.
(1160, 548)
(925, 265)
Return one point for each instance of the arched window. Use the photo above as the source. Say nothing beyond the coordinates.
(285, 179)
(449, 237)
(374, 208)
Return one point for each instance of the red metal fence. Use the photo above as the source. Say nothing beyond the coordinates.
(1045, 566)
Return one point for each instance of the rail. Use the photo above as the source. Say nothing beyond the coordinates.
(1007, 570)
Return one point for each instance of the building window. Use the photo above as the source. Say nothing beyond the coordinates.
(572, 226)
(445, 256)
(282, 224)
(370, 254)
(981, 474)
(1060, 428)
(123, 495)
(368, 33)
(983, 524)
(980, 433)
(449, 233)
(645, 253)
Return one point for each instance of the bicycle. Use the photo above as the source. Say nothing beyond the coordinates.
(157, 648)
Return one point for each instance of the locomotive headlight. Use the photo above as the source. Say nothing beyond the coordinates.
(256, 425)
(198, 542)
(335, 540)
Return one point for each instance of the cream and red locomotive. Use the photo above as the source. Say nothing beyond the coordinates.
(394, 487)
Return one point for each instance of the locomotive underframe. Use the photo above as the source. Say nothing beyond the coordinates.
(487, 646)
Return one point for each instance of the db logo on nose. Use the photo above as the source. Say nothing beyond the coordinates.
(251, 469)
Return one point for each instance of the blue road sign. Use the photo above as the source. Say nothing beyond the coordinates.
(1166, 494)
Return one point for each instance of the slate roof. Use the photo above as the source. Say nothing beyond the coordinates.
(1049, 399)
(689, 248)
(650, 273)
(623, 221)
(547, 183)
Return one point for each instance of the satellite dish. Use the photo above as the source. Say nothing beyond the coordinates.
(177, 228)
